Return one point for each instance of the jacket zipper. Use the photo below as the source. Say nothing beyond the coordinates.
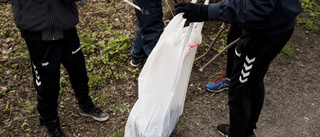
(20, 13)
(52, 23)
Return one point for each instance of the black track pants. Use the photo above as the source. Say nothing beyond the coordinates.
(46, 57)
(253, 55)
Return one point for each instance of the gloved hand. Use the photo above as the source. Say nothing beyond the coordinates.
(193, 12)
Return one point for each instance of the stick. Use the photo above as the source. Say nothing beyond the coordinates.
(133, 5)
(230, 45)
(169, 7)
(223, 27)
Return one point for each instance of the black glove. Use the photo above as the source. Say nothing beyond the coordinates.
(193, 12)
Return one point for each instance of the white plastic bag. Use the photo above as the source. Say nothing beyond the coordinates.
(163, 81)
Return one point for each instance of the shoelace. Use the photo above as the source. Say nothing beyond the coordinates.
(220, 78)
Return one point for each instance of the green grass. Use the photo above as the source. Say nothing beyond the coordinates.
(311, 21)
(116, 134)
(286, 50)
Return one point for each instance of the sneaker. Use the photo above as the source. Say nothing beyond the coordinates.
(219, 84)
(224, 129)
(135, 62)
(90, 110)
(53, 129)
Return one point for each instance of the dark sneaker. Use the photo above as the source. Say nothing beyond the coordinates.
(135, 62)
(90, 110)
(219, 84)
(224, 129)
(53, 129)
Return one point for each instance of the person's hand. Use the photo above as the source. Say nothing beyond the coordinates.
(192, 12)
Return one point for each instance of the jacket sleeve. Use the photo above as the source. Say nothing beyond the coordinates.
(255, 14)
(241, 11)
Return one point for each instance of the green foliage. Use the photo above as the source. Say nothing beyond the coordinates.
(308, 5)
(3, 93)
(116, 134)
(94, 81)
(287, 51)
(106, 51)
(24, 125)
(65, 85)
(30, 107)
(120, 108)
(2, 132)
(311, 22)
(6, 108)
(222, 40)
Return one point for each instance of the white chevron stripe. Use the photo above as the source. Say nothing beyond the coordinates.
(238, 54)
(38, 83)
(245, 74)
(243, 80)
(246, 67)
(250, 60)
(38, 77)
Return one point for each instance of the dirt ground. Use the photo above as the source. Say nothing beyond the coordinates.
(291, 107)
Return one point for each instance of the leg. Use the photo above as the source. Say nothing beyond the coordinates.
(73, 61)
(254, 54)
(149, 27)
(46, 76)
(137, 51)
(257, 99)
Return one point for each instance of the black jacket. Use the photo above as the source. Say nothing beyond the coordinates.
(257, 17)
(45, 19)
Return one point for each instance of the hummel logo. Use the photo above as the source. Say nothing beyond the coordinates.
(74, 52)
(45, 64)
(246, 71)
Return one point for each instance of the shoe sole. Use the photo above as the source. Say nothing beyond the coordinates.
(96, 118)
(134, 65)
(217, 91)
